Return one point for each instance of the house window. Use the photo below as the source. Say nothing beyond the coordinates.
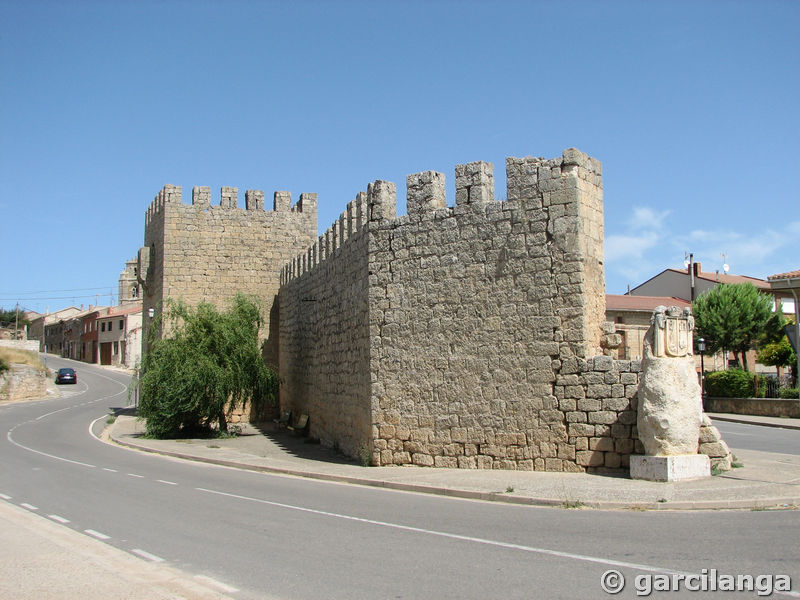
(103, 326)
(121, 324)
(116, 348)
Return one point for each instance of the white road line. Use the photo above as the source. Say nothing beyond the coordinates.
(97, 534)
(29, 506)
(217, 584)
(167, 482)
(5, 497)
(147, 555)
(135, 475)
(465, 538)
(110, 470)
(61, 520)
(39, 452)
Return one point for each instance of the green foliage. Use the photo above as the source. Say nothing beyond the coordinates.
(777, 354)
(4, 366)
(788, 393)
(733, 383)
(209, 366)
(9, 317)
(733, 318)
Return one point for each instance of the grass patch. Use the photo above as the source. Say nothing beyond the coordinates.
(21, 357)
(110, 420)
(212, 446)
(510, 489)
(572, 504)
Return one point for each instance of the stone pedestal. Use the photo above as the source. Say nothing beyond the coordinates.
(679, 467)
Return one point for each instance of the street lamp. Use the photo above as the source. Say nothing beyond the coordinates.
(701, 346)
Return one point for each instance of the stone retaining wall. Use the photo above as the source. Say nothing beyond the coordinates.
(763, 407)
(22, 382)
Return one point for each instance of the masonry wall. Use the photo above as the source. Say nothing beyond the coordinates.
(325, 336)
(476, 311)
(476, 307)
(199, 252)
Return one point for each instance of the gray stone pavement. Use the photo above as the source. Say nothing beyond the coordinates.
(764, 481)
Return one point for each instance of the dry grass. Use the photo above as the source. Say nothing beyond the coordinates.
(24, 357)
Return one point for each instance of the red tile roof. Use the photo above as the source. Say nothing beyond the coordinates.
(642, 303)
(789, 275)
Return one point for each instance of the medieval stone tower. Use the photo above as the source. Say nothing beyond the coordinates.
(201, 252)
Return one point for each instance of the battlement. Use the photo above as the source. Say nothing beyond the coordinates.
(536, 180)
(229, 200)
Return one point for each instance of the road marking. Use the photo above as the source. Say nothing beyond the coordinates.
(29, 506)
(147, 555)
(39, 452)
(61, 520)
(110, 470)
(135, 475)
(97, 534)
(4, 497)
(217, 584)
(465, 538)
(167, 482)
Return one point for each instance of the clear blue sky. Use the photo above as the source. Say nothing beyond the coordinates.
(692, 107)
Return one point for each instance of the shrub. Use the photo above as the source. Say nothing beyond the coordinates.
(3, 366)
(788, 393)
(733, 383)
(208, 367)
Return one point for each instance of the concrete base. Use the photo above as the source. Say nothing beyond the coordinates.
(670, 468)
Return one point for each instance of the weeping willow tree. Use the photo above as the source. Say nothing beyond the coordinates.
(209, 366)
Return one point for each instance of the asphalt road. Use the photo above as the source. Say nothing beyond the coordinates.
(265, 536)
(755, 437)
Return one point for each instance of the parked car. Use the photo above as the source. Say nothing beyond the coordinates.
(66, 375)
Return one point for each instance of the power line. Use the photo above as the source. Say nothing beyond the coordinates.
(99, 287)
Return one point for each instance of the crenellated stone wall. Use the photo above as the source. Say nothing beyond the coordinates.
(475, 311)
(204, 252)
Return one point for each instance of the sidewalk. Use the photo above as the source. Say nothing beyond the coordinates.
(766, 480)
(42, 560)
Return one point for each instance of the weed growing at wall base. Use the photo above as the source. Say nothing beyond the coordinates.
(211, 365)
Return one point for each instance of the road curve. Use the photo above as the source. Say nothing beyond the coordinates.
(256, 535)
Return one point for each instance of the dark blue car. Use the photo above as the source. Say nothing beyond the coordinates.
(66, 375)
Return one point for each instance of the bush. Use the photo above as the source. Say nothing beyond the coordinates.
(788, 393)
(733, 383)
(210, 365)
(4, 366)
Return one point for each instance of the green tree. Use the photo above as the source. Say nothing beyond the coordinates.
(9, 317)
(778, 354)
(208, 366)
(733, 318)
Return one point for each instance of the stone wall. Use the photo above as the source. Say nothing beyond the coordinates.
(29, 345)
(325, 336)
(475, 311)
(200, 252)
(764, 407)
(22, 382)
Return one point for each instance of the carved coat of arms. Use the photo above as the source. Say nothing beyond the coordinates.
(672, 331)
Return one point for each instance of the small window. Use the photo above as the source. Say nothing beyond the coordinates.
(102, 326)
(121, 324)
(116, 348)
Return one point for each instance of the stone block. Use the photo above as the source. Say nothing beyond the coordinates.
(714, 449)
(590, 458)
(670, 468)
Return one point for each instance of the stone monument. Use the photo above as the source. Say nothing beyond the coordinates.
(670, 403)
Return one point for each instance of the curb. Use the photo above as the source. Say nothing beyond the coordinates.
(743, 421)
(771, 504)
